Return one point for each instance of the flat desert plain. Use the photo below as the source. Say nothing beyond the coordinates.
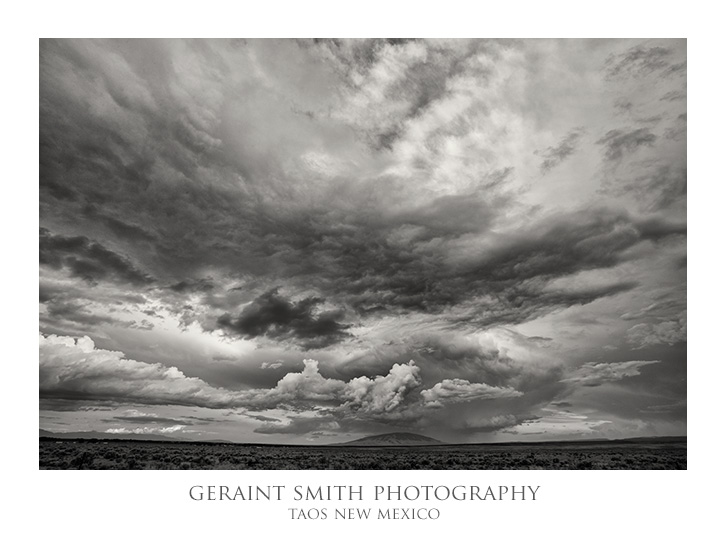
(651, 453)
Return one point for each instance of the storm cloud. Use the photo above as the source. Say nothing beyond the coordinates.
(87, 260)
(274, 316)
(300, 239)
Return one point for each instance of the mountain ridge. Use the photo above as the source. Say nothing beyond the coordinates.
(392, 439)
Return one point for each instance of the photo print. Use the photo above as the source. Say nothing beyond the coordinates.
(363, 254)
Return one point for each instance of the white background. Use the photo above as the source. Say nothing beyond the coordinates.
(570, 501)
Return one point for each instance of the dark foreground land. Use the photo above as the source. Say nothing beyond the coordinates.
(129, 454)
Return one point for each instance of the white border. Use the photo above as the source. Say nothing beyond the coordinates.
(572, 501)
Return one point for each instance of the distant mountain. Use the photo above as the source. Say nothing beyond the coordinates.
(655, 439)
(396, 439)
(104, 435)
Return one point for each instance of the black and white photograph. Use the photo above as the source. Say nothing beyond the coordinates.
(363, 254)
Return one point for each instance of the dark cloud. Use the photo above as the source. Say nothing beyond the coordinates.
(375, 258)
(653, 120)
(374, 274)
(447, 216)
(655, 229)
(678, 130)
(73, 405)
(120, 228)
(88, 260)
(193, 286)
(672, 96)
(75, 311)
(678, 69)
(45, 294)
(57, 190)
(642, 60)
(263, 418)
(560, 246)
(618, 143)
(555, 155)
(521, 304)
(657, 190)
(273, 316)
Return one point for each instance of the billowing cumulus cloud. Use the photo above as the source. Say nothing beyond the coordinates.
(308, 385)
(75, 369)
(458, 390)
(342, 236)
(665, 332)
(382, 394)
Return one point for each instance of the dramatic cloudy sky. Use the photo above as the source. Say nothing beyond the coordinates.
(311, 241)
